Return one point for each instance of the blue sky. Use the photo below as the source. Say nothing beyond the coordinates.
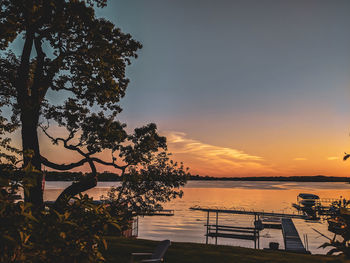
(268, 79)
(250, 87)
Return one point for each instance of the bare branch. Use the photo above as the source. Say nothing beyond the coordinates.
(77, 149)
(62, 167)
(97, 160)
(56, 140)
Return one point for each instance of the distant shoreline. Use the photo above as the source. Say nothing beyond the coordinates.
(111, 177)
(316, 178)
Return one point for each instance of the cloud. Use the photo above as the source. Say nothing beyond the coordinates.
(181, 144)
(300, 159)
(215, 160)
(332, 158)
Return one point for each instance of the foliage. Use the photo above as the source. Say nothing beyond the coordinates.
(69, 52)
(26, 235)
(80, 60)
(343, 220)
(342, 246)
(144, 190)
(77, 235)
(338, 247)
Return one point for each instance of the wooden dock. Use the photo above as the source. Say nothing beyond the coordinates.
(247, 233)
(248, 212)
(262, 220)
(292, 241)
(164, 212)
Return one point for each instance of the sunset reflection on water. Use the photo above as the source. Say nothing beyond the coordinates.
(188, 226)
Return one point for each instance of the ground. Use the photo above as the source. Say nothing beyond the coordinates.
(120, 249)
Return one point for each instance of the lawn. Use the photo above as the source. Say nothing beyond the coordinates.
(119, 250)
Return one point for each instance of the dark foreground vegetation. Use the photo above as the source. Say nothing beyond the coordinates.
(120, 249)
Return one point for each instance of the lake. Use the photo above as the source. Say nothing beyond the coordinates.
(188, 226)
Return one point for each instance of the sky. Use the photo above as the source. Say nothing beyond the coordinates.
(242, 88)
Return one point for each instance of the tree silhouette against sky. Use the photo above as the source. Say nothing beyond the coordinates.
(68, 50)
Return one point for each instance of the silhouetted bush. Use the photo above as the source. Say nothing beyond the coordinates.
(27, 235)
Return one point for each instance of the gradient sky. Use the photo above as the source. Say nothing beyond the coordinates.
(242, 88)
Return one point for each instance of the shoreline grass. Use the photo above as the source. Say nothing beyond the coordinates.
(120, 249)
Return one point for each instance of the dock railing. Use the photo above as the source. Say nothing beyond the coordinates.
(247, 212)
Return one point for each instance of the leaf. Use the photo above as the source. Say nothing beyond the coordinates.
(116, 226)
(30, 216)
(324, 245)
(332, 251)
(104, 244)
(9, 238)
(346, 156)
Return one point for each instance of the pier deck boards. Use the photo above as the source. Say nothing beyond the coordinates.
(245, 212)
(229, 235)
(291, 237)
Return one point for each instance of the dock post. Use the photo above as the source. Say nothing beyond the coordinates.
(217, 222)
(254, 238)
(137, 226)
(206, 239)
(254, 230)
(258, 233)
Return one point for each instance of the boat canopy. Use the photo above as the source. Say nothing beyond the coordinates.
(308, 196)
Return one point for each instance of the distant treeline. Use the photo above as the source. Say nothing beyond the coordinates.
(112, 177)
(316, 178)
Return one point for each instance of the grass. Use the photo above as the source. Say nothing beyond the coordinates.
(120, 249)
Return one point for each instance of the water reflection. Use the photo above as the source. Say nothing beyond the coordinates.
(188, 226)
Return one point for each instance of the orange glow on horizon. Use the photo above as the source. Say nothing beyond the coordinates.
(206, 159)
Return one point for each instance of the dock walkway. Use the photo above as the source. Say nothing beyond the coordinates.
(248, 212)
(291, 237)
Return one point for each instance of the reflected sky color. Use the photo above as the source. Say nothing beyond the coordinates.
(188, 226)
(240, 88)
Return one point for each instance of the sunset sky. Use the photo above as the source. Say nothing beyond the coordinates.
(242, 88)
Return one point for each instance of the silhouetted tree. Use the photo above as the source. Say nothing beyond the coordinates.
(68, 50)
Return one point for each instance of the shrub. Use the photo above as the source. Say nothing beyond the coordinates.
(75, 235)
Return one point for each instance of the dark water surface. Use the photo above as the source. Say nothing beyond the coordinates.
(188, 226)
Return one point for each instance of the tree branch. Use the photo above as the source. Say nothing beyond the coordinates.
(62, 167)
(97, 160)
(77, 149)
(77, 187)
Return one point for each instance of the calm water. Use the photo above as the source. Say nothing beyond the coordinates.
(188, 226)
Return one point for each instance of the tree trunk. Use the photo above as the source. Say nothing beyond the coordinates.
(30, 143)
(30, 108)
(74, 189)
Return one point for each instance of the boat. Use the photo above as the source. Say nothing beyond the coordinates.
(307, 200)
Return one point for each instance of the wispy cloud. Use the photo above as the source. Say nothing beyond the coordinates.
(333, 158)
(300, 159)
(215, 160)
(186, 145)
